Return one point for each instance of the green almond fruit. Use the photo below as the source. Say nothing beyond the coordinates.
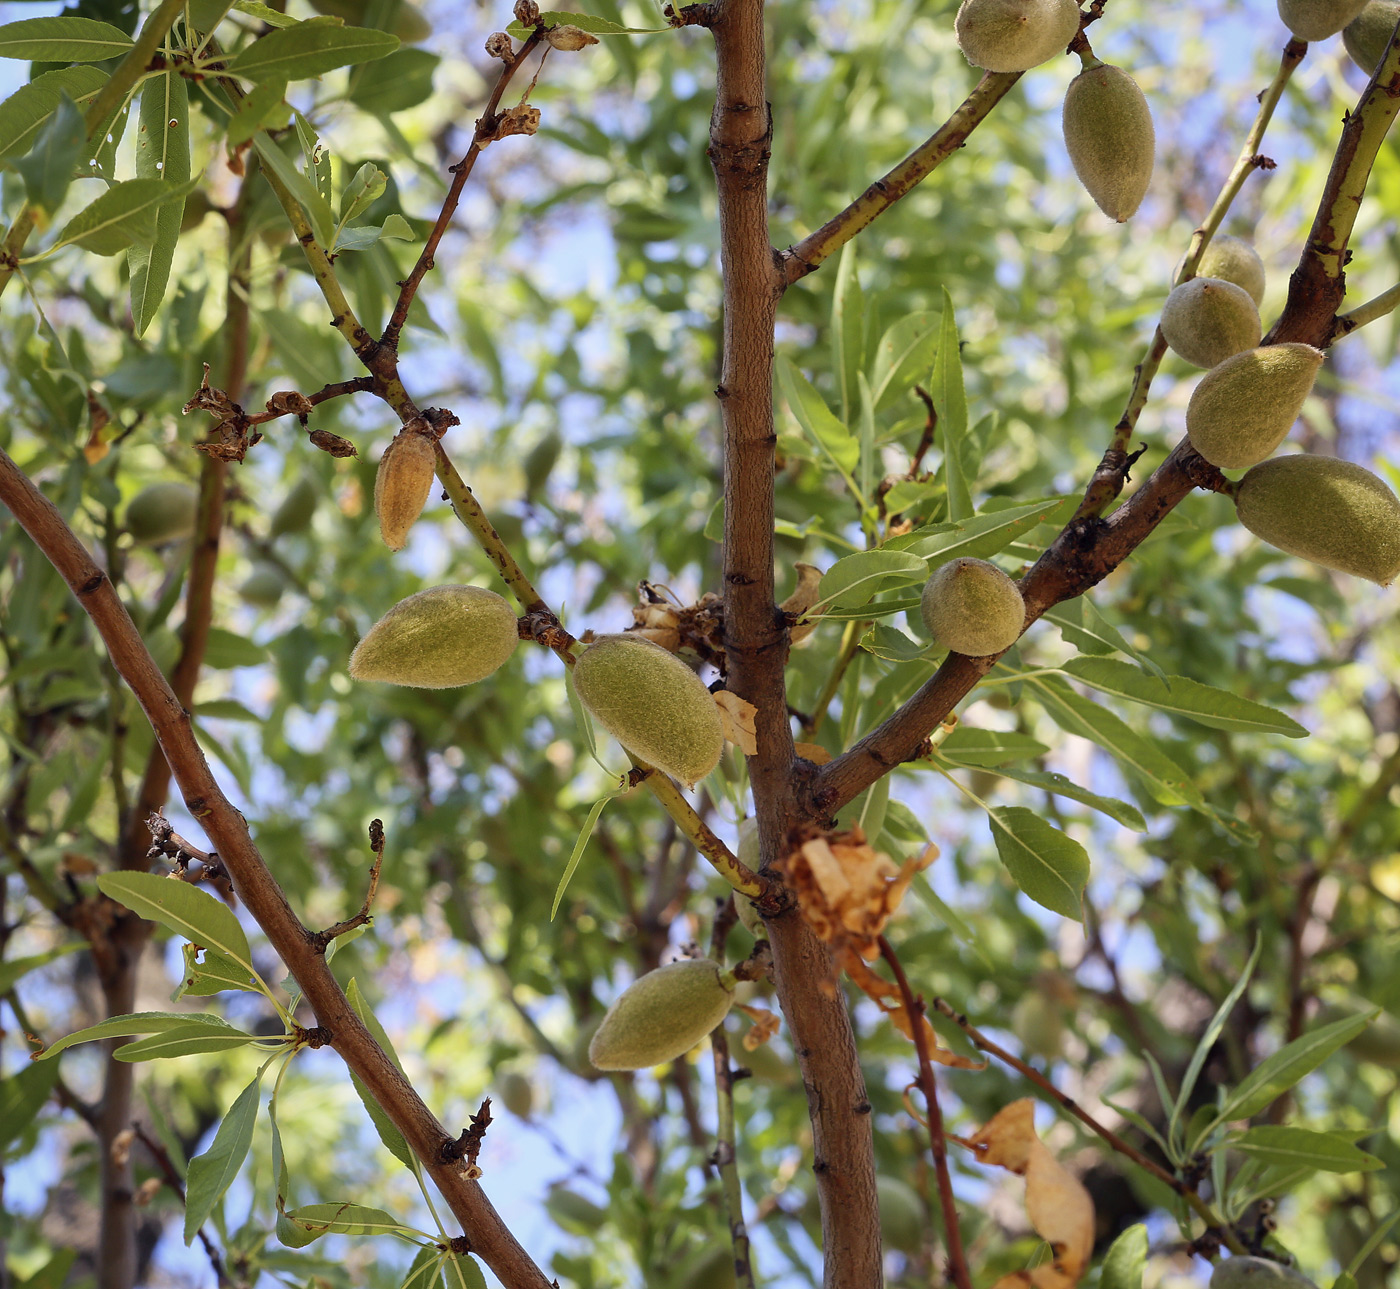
(1257, 1273)
(163, 512)
(1367, 36)
(438, 639)
(1318, 19)
(517, 1094)
(1208, 320)
(1232, 259)
(661, 1016)
(653, 704)
(1332, 512)
(902, 1216)
(1014, 35)
(1243, 408)
(1109, 137)
(264, 586)
(294, 513)
(971, 607)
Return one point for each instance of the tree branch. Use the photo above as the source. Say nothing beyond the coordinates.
(257, 888)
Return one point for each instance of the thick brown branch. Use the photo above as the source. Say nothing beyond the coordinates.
(255, 885)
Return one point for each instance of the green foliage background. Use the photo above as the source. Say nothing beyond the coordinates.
(576, 304)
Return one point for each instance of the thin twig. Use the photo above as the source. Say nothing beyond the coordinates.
(461, 172)
(1377, 307)
(1203, 1210)
(952, 1232)
(376, 843)
(725, 1157)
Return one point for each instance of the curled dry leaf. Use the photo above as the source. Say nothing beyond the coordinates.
(737, 716)
(813, 752)
(765, 1025)
(803, 597)
(658, 622)
(1057, 1204)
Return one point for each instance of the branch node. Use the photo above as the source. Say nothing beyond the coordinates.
(321, 939)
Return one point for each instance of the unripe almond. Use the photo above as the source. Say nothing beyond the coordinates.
(438, 639)
(1332, 512)
(1208, 320)
(1243, 409)
(402, 484)
(972, 608)
(163, 512)
(1232, 259)
(1257, 1273)
(1110, 139)
(517, 1094)
(661, 1016)
(653, 704)
(297, 508)
(1367, 36)
(572, 1211)
(264, 586)
(1318, 19)
(1014, 35)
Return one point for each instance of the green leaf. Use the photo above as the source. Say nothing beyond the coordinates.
(162, 153)
(984, 534)
(362, 191)
(135, 1023)
(856, 579)
(816, 418)
(54, 1273)
(892, 645)
(1208, 1038)
(1218, 708)
(1125, 1260)
(216, 973)
(311, 48)
(1373, 1242)
(124, 214)
(16, 968)
(183, 908)
(186, 1040)
(1083, 624)
(226, 650)
(1050, 867)
(401, 81)
(426, 1271)
(23, 114)
(47, 169)
(988, 749)
(1328, 1152)
(265, 13)
(903, 355)
(583, 835)
(847, 328)
(211, 1173)
(460, 1271)
(260, 104)
(317, 208)
(1076, 714)
(22, 1096)
(1273, 1077)
(951, 402)
(1122, 811)
(394, 1140)
(63, 40)
(397, 228)
(585, 22)
(315, 1220)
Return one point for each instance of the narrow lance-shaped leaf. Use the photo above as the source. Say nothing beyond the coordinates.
(187, 1040)
(847, 322)
(17, 968)
(185, 909)
(1125, 1260)
(123, 215)
(817, 419)
(311, 48)
(136, 1023)
(47, 169)
(1122, 812)
(983, 535)
(162, 153)
(394, 1140)
(63, 40)
(1285, 1146)
(854, 579)
(211, 1173)
(1286, 1067)
(24, 113)
(1049, 866)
